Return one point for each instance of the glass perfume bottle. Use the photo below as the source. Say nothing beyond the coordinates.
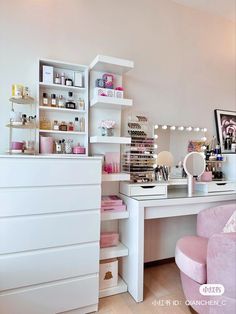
(77, 124)
(61, 103)
(53, 100)
(82, 124)
(70, 103)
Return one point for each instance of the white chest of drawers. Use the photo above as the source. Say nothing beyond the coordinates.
(49, 234)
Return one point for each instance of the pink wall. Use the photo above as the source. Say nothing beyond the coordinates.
(184, 58)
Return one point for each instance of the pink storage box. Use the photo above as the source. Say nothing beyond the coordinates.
(111, 200)
(109, 239)
(17, 145)
(78, 150)
(206, 176)
(113, 208)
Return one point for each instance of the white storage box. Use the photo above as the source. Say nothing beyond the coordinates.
(98, 91)
(78, 79)
(143, 189)
(47, 74)
(216, 186)
(108, 273)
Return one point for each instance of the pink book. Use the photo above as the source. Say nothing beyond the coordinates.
(113, 208)
(111, 200)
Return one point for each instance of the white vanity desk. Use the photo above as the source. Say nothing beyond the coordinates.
(132, 230)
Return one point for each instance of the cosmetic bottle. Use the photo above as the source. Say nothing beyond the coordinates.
(70, 103)
(61, 103)
(45, 99)
(53, 100)
(58, 147)
(81, 105)
(63, 79)
(70, 126)
(77, 124)
(82, 124)
(68, 146)
(63, 146)
(55, 125)
(63, 126)
(69, 82)
(57, 79)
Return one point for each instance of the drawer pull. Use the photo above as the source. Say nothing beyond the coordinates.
(221, 183)
(148, 187)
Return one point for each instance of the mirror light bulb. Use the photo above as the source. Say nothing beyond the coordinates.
(204, 129)
(172, 127)
(204, 139)
(197, 129)
(155, 145)
(164, 127)
(155, 136)
(155, 126)
(180, 128)
(189, 128)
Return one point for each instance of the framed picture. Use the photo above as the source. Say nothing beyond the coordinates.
(226, 130)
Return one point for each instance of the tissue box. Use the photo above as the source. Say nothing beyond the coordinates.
(108, 273)
(47, 74)
(109, 239)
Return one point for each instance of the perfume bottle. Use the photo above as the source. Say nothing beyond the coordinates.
(63, 126)
(53, 100)
(82, 124)
(61, 103)
(70, 103)
(55, 125)
(45, 99)
(77, 124)
(81, 105)
(57, 79)
(63, 79)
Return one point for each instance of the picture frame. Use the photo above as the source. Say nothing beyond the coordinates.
(226, 127)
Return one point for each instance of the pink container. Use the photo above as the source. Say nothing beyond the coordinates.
(78, 150)
(46, 145)
(17, 145)
(206, 176)
(113, 208)
(109, 239)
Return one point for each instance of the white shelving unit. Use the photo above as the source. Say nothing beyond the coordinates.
(64, 114)
(109, 108)
(114, 251)
(114, 216)
(120, 288)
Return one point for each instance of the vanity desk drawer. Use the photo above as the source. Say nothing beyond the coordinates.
(216, 186)
(143, 189)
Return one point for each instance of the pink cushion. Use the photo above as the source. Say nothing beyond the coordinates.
(190, 256)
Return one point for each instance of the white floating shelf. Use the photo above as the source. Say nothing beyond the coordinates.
(116, 177)
(114, 215)
(120, 288)
(22, 101)
(62, 87)
(47, 108)
(62, 132)
(114, 251)
(111, 65)
(105, 102)
(110, 140)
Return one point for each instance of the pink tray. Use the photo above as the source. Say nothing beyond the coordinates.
(109, 239)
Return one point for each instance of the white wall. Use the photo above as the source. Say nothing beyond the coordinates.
(184, 58)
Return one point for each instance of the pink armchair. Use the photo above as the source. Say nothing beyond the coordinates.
(209, 257)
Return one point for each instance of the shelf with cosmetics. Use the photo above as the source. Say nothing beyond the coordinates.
(62, 108)
(22, 122)
(107, 100)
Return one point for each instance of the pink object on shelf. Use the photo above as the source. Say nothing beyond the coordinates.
(46, 145)
(113, 208)
(17, 145)
(111, 200)
(78, 150)
(206, 176)
(109, 239)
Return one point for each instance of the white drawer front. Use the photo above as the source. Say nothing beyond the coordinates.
(30, 268)
(44, 231)
(17, 172)
(147, 190)
(221, 187)
(51, 298)
(39, 200)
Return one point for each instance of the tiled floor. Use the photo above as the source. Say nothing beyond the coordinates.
(162, 294)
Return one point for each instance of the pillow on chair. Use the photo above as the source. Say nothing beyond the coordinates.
(230, 224)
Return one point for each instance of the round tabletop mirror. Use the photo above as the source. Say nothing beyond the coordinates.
(194, 164)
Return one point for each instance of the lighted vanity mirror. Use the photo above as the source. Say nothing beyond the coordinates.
(179, 141)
